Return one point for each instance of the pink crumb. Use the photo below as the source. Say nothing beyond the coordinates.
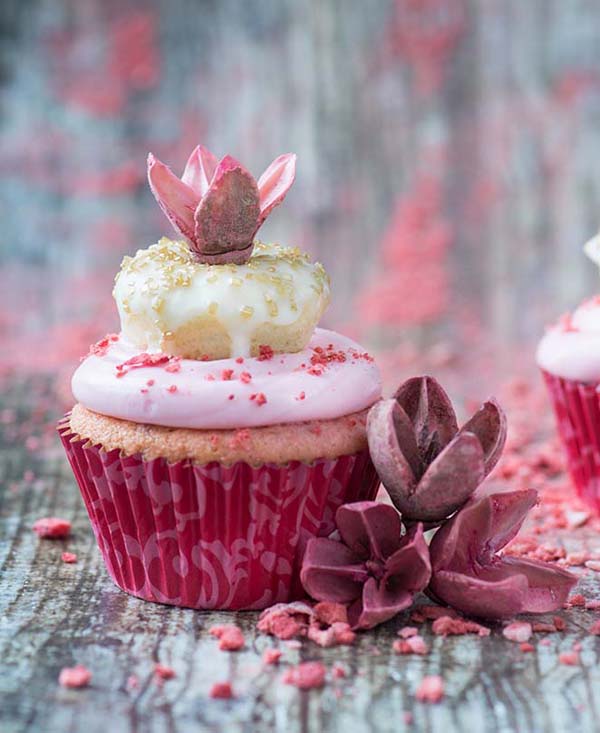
(338, 672)
(428, 612)
(231, 638)
(162, 672)
(52, 527)
(68, 557)
(328, 612)
(519, 631)
(78, 676)
(172, 388)
(306, 676)
(132, 682)
(407, 631)
(413, 645)
(569, 659)
(448, 626)
(431, 689)
(578, 600)
(221, 691)
(595, 628)
(527, 647)
(336, 634)
(271, 656)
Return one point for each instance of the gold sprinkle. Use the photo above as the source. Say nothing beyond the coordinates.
(213, 308)
(236, 281)
(246, 311)
(212, 279)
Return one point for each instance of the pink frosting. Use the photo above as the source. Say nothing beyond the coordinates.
(571, 348)
(332, 377)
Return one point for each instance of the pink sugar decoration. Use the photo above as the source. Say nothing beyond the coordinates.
(306, 676)
(231, 638)
(78, 676)
(431, 689)
(519, 631)
(52, 528)
(221, 691)
(68, 557)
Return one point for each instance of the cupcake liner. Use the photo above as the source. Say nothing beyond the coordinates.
(211, 536)
(577, 410)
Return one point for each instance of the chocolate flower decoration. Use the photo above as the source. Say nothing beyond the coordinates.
(470, 576)
(373, 567)
(218, 206)
(428, 466)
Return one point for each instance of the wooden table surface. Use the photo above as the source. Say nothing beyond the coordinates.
(55, 615)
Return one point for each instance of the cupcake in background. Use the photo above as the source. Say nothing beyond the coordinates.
(220, 429)
(569, 358)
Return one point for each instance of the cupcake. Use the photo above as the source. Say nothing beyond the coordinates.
(220, 429)
(569, 357)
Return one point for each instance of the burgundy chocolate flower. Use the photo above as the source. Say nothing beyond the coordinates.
(470, 576)
(374, 568)
(219, 206)
(428, 466)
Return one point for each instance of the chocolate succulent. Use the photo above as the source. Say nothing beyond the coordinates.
(218, 206)
(469, 574)
(372, 566)
(428, 466)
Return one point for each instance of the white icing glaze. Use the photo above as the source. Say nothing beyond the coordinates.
(163, 287)
(571, 349)
(197, 396)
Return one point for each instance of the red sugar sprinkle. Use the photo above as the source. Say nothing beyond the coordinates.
(227, 375)
(519, 631)
(150, 383)
(231, 397)
(431, 689)
(162, 672)
(100, 348)
(265, 353)
(174, 364)
(52, 527)
(570, 659)
(239, 360)
(172, 388)
(259, 398)
(271, 656)
(301, 396)
(221, 691)
(142, 360)
(306, 676)
(68, 557)
(448, 626)
(578, 600)
(231, 638)
(240, 438)
(78, 676)
(245, 377)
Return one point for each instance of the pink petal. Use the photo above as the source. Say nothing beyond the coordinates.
(199, 170)
(378, 605)
(449, 481)
(548, 585)
(489, 425)
(370, 529)
(177, 200)
(429, 409)
(409, 567)
(227, 216)
(330, 571)
(275, 182)
(393, 446)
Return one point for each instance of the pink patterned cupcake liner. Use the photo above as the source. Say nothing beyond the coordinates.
(211, 536)
(577, 410)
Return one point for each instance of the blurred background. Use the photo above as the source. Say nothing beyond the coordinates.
(449, 161)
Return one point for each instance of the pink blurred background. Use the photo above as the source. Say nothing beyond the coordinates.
(448, 162)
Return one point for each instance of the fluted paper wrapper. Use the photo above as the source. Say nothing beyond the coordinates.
(577, 410)
(211, 536)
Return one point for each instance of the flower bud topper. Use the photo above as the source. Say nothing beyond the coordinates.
(218, 206)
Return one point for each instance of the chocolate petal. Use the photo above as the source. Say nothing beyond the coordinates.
(199, 170)
(227, 216)
(177, 200)
(393, 450)
(370, 529)
(486, 523)
(378, 605)
(489, 425)
(330, 571)
(548, 585)
(430, 411)
(409, 567)
(275, 182)
(476, 596)
(449, 481)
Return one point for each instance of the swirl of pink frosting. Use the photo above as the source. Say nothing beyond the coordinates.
(332, 377)
(571, 348)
